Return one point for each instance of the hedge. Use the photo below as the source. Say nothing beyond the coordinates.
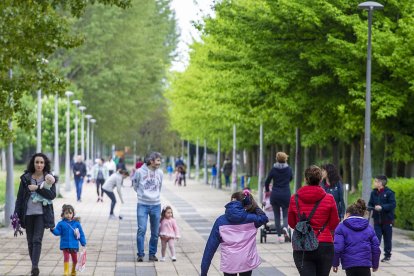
(404, 195)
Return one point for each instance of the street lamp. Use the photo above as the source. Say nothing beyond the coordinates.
(93, 121)
(67, 165)
(39, 115)
(56, 167)
(367, 173)
(88, 117)
(76, 103)
(82, 109)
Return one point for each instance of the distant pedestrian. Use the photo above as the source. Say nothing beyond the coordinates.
(170, 171)
(356, 244)
(323, 222)
(281, 175)
(238, 251)
(227, 170)
(180, 175)
(79, 173)
(382, 204)
(332, 184)
(179, 162)
(110, 166)
(114, 181)
(121, 165)
(71, 234)
(214, 175)
(34, 216)
(100, 174)
(139, 163)
(148, 184)
(169, 232)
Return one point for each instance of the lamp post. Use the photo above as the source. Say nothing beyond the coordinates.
(56, 167)
(93, 121)
(82, 109)
(367, 173)
(88, 117)
(67, 163)
(76, 103)
(39, 121)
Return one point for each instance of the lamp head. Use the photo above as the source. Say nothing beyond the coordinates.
(88, 116)
(76, 102)
(82, 108)
(68, 93)
(93, 121)
(370, 5)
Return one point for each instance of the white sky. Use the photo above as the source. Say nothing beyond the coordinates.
(186, 12)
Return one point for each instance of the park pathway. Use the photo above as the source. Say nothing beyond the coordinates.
(112, 243)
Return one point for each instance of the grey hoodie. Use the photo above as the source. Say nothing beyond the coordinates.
(148, 185)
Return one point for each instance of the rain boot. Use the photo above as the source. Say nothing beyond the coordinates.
(73, 270)
(66, 268)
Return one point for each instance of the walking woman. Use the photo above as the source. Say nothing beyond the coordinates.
(34, 204)
(319, 207)
(331, 183)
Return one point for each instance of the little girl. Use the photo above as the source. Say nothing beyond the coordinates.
(168, 233)
(70, 231)
(355, 242)
(238, 251)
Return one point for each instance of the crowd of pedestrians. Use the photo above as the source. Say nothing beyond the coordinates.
(325, 234)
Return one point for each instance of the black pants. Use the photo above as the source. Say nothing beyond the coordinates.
(315, 263)
(276, 211)
(358, 271)
(111, 195)
(99, 183)
(35, 228)
(386, 231)
(247, 273)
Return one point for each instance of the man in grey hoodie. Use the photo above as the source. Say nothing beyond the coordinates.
(147, 184)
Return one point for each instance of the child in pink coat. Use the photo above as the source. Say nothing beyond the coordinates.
(168, 233)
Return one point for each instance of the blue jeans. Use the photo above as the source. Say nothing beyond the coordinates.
(78, 184)
(154, 213)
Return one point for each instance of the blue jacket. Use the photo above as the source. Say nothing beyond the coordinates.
(281, 175)
(337, 191)
(65, 229)
(356, 244)
(238, 250)
(386, 199)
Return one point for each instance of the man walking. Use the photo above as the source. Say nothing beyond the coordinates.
(79, 173)
(147, 184)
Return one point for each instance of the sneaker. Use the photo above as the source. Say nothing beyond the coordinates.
(98, 199)
(286, 233)
(101, 199)
(140, 259)
(173, 258)
(35, 271)
(152, 258)
(162, 259)
(112, 217)
(120, 217)
(386, 259)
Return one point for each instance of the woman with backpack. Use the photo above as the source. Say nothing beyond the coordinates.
(311, 206)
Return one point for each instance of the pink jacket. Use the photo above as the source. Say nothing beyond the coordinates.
(169, 228)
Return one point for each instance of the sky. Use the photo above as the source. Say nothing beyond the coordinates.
(186, 12)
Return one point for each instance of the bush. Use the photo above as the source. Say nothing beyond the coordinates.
(404, 195)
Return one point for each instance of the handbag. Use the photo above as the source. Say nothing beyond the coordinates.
(80, 266)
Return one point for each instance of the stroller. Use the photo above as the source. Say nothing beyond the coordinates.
(270, 227)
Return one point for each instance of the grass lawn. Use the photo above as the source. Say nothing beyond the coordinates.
(18, 171)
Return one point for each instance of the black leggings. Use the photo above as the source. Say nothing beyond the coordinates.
(315, 263)
(358, 271)
(247, 273)
(111, 195)
(35, 228)
(99, 183)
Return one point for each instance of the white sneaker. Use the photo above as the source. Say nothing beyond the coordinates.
(173, 258)
(162, 259)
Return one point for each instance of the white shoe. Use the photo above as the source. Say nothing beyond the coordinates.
(162, 259)
(112, 217)
(173, 258)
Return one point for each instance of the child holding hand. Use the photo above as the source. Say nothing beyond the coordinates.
(71, 234)
(168, 233)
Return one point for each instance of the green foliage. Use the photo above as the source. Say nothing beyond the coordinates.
(404, 195)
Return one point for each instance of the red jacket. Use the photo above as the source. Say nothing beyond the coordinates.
(326, 211)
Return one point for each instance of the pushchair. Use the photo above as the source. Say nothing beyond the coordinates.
(270, 227)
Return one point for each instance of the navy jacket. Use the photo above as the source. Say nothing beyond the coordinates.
(281, 175)
(23, 196)
(386, 199)
(80, 167)
(337, 191)
(356, 244)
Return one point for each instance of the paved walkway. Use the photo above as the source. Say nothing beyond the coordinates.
(112, 243)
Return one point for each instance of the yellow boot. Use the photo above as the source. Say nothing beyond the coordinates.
(66, 268)
(73, 270)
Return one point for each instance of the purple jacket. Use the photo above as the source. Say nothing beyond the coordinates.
(356, 244)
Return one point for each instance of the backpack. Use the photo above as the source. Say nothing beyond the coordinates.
(304, 238)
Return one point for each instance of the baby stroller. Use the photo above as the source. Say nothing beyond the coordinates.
(268, 228)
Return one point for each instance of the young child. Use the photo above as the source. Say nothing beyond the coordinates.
(238, 252)
(382, 204)
(168, 233)
(47, 184)
(71, 234)
(356, 245)
(170, 171)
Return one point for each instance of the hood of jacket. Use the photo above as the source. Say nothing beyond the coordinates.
(356, 223)
(311, 194)
(235, 212)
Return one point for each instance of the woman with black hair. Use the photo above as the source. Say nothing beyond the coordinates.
(332, 184)
(35, 215)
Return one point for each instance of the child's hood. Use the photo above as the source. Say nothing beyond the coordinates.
(356, 223)
(235, 212)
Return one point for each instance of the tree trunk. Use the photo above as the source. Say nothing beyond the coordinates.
(354, 163)
(400, 169)
(298, 160)
(306, 161)
(346, 176)
(335, 153)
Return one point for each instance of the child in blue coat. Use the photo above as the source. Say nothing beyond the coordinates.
(71, 234)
